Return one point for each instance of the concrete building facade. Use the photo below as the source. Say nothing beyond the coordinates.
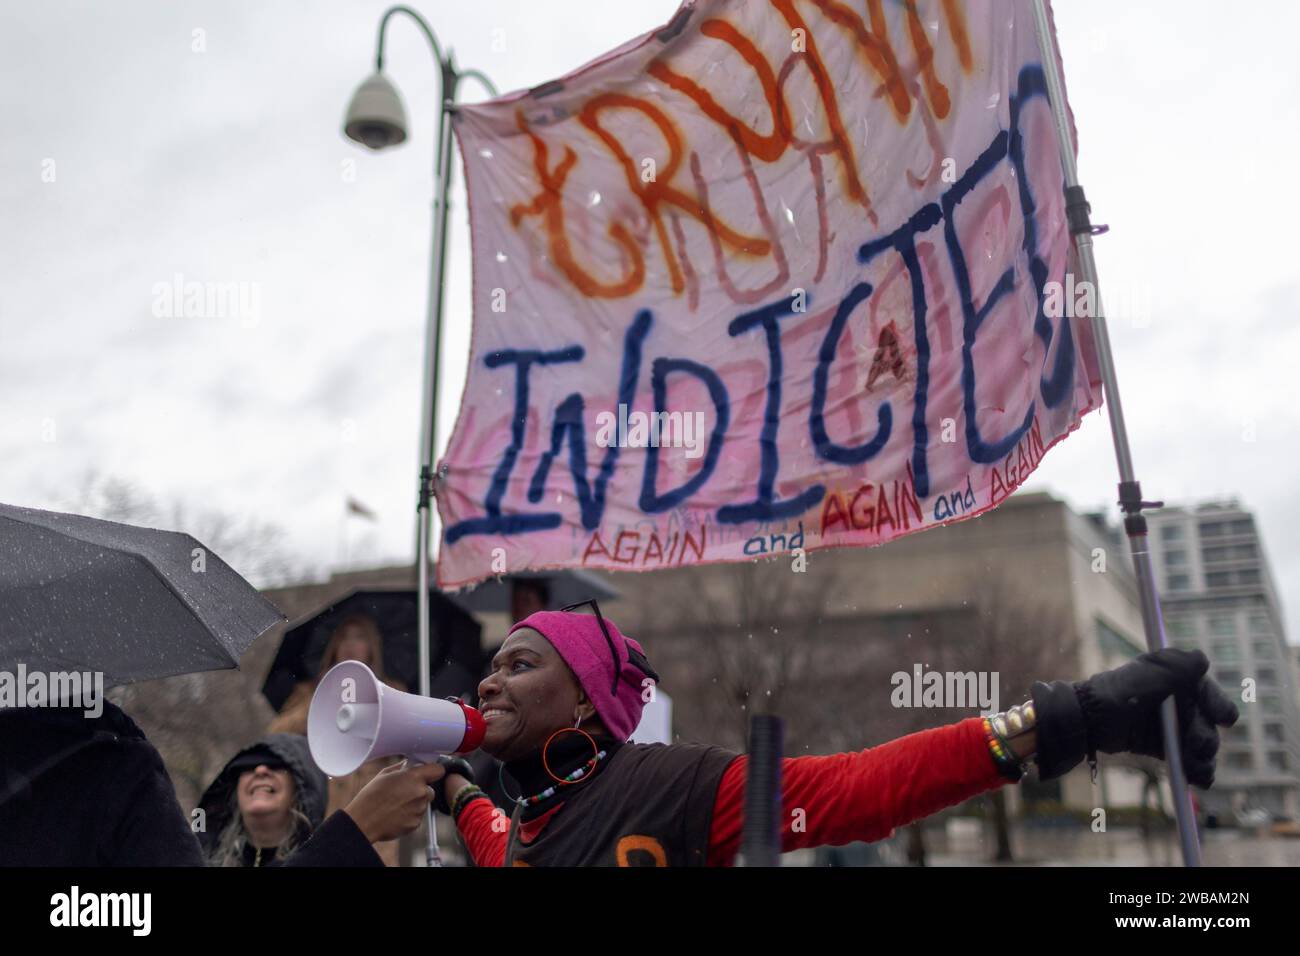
(1217, 594)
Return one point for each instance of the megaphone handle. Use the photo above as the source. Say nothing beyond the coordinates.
(431, 855)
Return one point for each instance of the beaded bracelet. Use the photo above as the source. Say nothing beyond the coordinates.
(997, 731)
(467, 793)
(1007, 763)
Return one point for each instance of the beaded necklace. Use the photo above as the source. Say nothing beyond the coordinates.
(554, 788)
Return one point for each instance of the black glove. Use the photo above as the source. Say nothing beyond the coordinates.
(457, 765)
(1118, 711)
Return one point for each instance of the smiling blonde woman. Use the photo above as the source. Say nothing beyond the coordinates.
(263, 804)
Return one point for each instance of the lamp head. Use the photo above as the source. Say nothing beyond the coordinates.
(376, 118)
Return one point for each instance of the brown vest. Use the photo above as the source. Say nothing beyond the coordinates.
(651, 805)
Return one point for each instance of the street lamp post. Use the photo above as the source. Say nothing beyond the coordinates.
(377, 120)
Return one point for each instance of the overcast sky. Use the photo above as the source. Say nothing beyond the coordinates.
(145, 140)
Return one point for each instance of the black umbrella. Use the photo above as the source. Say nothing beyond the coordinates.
(81, 594)
(455, 657)
(563, 587)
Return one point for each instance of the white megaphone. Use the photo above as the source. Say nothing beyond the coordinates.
(354, 718)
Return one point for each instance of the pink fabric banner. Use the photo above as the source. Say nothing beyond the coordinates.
(781, 275)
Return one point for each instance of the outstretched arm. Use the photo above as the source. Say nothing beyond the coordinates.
(391, 804)
(841, 798)
(845, 797)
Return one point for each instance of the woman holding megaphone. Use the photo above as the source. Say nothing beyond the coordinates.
(566, 690)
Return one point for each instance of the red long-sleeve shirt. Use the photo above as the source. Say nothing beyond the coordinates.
(843, 797)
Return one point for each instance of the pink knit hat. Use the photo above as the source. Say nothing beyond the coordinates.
(581, 643)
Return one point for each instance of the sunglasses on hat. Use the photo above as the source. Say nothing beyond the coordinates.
(633, 654)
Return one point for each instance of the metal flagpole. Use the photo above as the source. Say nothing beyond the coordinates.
(429, 407)
(1130, 490)
(449, 81)
(451, 78)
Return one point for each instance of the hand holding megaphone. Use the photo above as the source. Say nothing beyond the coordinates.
(354, 718)
(395, 801)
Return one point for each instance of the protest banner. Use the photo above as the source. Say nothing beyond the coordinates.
(779, 276)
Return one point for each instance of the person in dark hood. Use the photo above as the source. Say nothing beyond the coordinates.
(263, 804)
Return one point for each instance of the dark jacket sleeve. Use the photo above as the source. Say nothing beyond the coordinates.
(152, 829)
(337, 842)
